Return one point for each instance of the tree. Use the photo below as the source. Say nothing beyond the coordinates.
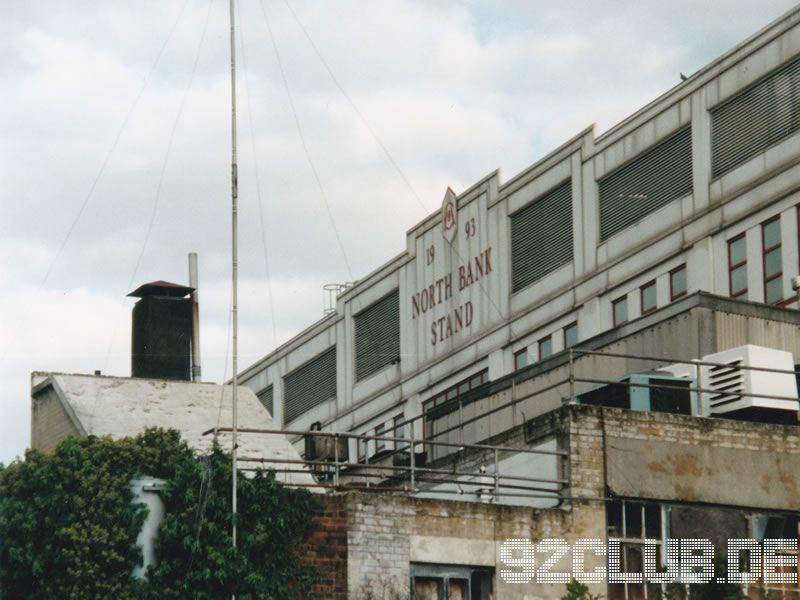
(68, 528)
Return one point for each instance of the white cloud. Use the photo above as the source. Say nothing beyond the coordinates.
(452, 89)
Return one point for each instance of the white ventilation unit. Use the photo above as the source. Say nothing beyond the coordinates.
(724, 386)
(731, 387)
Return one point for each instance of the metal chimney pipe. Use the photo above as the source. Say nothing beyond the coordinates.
(195, 317)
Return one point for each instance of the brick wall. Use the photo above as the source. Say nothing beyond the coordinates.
(326, 549)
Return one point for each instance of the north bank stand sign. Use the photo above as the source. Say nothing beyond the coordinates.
(454, 275)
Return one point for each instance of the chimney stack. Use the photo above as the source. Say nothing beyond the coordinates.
(161, 344)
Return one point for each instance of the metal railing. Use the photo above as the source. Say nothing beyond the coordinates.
(339, 473)
(380, 470)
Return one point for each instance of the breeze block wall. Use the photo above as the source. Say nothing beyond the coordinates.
(386, 534)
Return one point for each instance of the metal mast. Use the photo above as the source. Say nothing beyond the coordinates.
(234, 271)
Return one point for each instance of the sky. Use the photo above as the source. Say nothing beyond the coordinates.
(354, 118)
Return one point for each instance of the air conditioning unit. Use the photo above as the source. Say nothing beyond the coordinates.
(734, 391)
(651, 391)
(726, 386)
(325, 448)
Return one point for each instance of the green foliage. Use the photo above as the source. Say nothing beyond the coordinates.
(578, 591)
(68, 528)
(272, 520)
(714, 590)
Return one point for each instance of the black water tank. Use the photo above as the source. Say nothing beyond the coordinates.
(161, 341)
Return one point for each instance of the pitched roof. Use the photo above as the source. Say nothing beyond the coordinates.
(125, 406)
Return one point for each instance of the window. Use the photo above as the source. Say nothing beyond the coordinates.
(541, 237)
(755, 119)
(451, 582)
(520, 359)
(362, 449)
(773, 269)
(620, 308)
(310, 385)
(782, 527)
(545, 347)
(737, 267)
(380, 432)
(377, 336)
(653, 179)
(649, 299)
(677, 282)
(399, 430)
(265, 396)
(632, 523)
(451, 394)
(571, 335)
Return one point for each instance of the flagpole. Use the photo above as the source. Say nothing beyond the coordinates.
(234, 273)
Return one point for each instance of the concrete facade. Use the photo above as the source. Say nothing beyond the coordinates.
(437, 279)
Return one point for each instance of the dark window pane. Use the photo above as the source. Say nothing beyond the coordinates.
(428, 588)
(772, 262)
(620, 311)
(636, 591)
(570, 335)
(457, 589)
(521, 359)
(774, 291)
(738, 251)
(463, 387)
(614, 519)
(738, 280)
(678, 282)
(545, 348)
(633, 520)
(475, 382)
(481, 585)
(652, 521)
(772, 233)
(634, 562)
(649, 300)
(616, 591)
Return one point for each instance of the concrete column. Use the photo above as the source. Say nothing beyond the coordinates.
(590, 234)
(701, 150)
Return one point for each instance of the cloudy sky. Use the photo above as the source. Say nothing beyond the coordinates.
(115, 146)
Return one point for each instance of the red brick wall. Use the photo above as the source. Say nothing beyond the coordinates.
(326, 549)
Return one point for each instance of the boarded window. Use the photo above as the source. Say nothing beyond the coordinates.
(265, 396)
(310, 385)
(541, 237)
(645, 184)
(378, 336)
(755, 119)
